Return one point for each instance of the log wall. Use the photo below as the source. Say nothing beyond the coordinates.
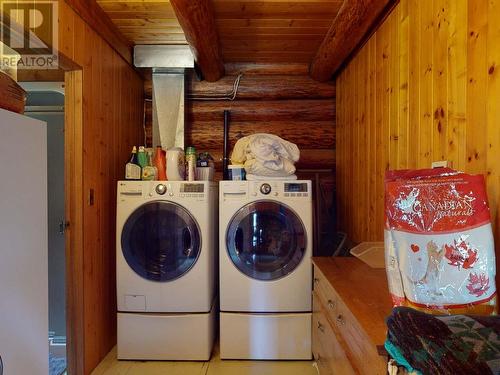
(425, 87)
(291, 105)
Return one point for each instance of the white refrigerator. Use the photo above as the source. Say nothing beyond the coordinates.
(23, 245)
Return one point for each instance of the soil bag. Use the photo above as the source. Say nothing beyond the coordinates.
(439, 250)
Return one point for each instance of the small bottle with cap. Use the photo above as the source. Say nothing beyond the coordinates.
(191, 163)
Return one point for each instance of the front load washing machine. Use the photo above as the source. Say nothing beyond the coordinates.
(265, 246)
(166, 237)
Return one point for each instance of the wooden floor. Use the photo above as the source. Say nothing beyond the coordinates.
(111, 366)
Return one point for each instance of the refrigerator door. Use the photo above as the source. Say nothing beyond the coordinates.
(23, 245)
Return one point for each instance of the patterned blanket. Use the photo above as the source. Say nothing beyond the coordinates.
(454, 344)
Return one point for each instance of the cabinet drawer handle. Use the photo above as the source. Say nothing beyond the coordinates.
(321, 327)
(340, 319)
(331, 304)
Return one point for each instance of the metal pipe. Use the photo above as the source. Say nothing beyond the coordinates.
(225, 158)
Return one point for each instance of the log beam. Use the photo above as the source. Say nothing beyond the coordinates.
(349, 28)
(309, 159)
(208, 135)
(250, 110)
(255, 87)
(196, 18)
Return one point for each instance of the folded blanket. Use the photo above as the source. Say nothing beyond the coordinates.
(266, 155)
(451, 344)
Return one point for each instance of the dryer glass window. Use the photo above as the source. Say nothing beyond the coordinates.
(161, 241)
(266, 240)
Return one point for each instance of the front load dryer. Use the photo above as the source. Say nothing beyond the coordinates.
(165, 269)
(265, 246)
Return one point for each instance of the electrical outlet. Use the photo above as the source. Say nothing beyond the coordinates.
(441, 164)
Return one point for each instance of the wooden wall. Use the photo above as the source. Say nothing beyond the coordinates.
(425, 87)
(112, 122)
(281, 100)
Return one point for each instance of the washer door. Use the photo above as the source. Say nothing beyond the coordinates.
(161, 241)
(266, 240)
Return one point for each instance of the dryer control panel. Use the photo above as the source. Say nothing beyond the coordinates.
(297, 189)
(197, 190)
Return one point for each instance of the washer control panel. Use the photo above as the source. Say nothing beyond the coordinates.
(279, 189)
(163, 190)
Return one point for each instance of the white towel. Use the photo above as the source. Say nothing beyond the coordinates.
(266, 155)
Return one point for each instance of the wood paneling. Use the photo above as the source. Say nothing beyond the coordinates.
(273, 31)
(73, 186)
(94, 16)
(145, 22)
(425, 87)
(105, 107)
(249, 31)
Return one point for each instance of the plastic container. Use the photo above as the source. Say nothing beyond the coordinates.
(236, 172)
(160, 163)
(204, 173)
(175, 164)
(372, 253)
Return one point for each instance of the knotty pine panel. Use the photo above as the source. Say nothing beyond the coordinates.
(112, 122)
(425, 87)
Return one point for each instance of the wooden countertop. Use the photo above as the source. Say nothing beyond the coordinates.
(363, 290)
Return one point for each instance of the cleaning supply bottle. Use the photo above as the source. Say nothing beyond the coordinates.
(160, 163)
(191, 163)
(132, 168)
(149, 172)
(141, 157)
(176, 166)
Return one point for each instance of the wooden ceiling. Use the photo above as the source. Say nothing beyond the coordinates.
(273, 31)
(249, 31)
(145, 21)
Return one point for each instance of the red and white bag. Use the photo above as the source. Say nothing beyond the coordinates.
(439, 249)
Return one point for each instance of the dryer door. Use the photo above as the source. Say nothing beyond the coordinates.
(266, 240)
(161, 241)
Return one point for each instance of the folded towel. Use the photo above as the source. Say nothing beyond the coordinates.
(266, 155)
(254, 177)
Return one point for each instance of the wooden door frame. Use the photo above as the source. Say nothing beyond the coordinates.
(74, 204)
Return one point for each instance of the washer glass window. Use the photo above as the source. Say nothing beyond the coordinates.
(266, 240)
(161, 241)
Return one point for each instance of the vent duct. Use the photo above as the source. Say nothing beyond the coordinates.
(168, 64)
(168, 110)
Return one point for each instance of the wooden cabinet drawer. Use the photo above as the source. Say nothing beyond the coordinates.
(327, 350)
(362, 352)
(325, 292)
